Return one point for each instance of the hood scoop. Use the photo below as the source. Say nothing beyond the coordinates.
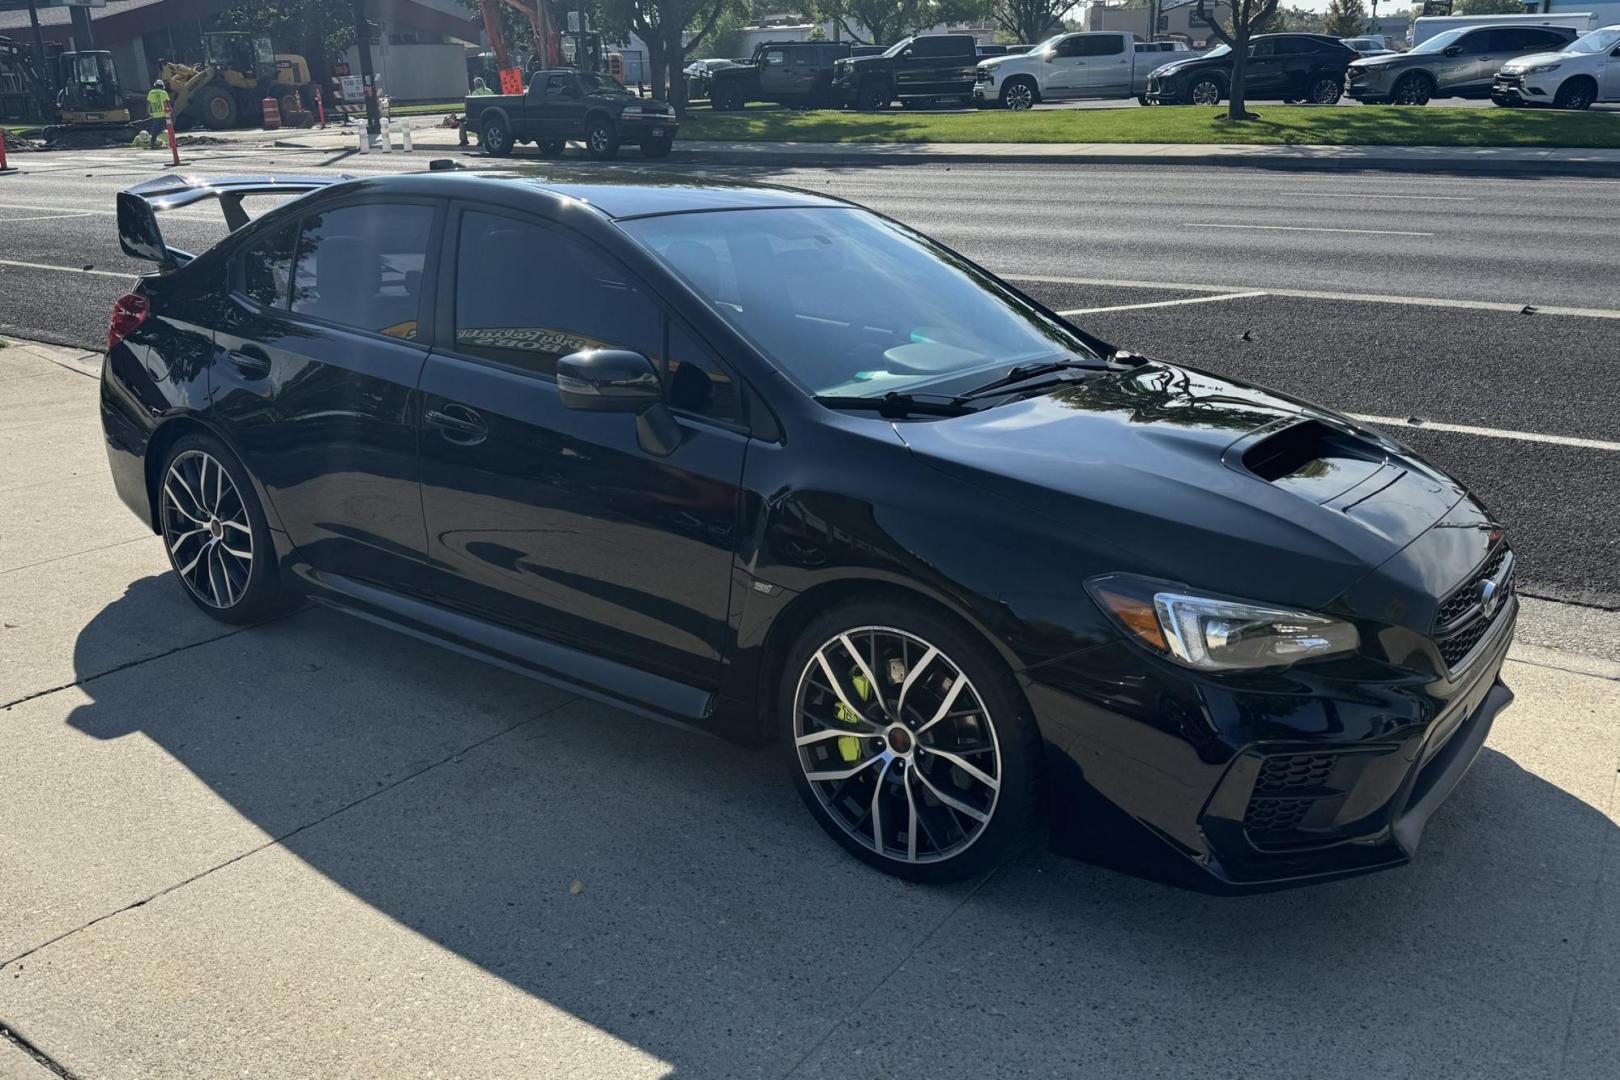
(1392, 494)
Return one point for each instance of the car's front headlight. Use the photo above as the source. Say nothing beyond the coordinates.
(1541, 69)
(1217, 634)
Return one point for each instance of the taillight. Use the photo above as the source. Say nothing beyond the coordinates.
(127, 315)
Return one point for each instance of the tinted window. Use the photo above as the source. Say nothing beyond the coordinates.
(943, 45)
(1097, 45)
(694, 381)
(775, 57)
(361, 266)
(1525, 39)
(559, 84)
(1267, 47)
(266, 268)
(527, 295)
(1477, 42)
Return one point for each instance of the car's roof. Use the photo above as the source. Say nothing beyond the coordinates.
(625, 196)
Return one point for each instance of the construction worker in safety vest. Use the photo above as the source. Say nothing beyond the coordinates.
(157, 101)
(480, 88)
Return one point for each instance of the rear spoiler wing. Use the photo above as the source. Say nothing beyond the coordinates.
(138, 207)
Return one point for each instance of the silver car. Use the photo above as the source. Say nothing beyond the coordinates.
(1458, 63)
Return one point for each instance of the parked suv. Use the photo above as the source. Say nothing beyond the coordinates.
(1281, 67)
(786, 72)
(1458, 63)
(565, 105)
(916, 71)
(1586, 71)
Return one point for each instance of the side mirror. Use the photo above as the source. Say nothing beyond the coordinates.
(1049, 55)
(1453, 50)
(608, 380)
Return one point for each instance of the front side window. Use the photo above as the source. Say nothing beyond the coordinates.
(845, 302)
(264, 272)
(361, 266)
(528, 295)
(1101, 45)
(559, 85)
(775, 58)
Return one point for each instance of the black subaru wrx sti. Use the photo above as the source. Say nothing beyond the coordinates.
(776, 466)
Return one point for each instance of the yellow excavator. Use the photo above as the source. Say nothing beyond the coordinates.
(237, 73)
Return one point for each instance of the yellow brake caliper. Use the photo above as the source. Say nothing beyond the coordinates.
(849, 747)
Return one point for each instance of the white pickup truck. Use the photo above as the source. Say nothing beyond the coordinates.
(1585, 72)
(1088, 64)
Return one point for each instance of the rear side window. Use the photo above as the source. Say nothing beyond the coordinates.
(361, 267)
(1099, 45)
(265, 269)
(527, 295)
(943, 45)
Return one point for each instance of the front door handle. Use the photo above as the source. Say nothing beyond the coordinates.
(251, 361)
(458, 424)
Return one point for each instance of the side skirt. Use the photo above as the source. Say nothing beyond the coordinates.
(607, 681)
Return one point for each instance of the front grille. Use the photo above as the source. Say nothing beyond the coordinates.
(1462, 620)
(1509, 80)
(982, 76)
(1354, 75)
(1153, 85)
(1293, 772)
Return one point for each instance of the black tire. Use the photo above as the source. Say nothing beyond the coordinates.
(552, 148)
(214, 579)
(1001, 726)
(657, 148)
(496, 136)
(216, 106)
(873, 96)
(967, 99)
(725, 99)
(1413, 89)
(601, 139)
(1141, 99)
(1206, 90)
(1325, 90)
(1576, 93)
(1019, 94)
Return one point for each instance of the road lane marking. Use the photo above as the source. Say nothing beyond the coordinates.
(1162, 303)
(1489, 433)
(1014, 274)
(1302, 228)
(1367, 195)
(128, 276)
(46, 217)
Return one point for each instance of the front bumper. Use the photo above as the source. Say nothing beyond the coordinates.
(1524, 89)
(1273, 781)
(649, 125)
(1164, 92)
(1369, 84)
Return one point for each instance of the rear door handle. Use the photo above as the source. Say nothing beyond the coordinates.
(458, 424)
(251, 361)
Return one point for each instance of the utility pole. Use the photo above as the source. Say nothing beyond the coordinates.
(362, 43)
(84, 39)
(41, 68)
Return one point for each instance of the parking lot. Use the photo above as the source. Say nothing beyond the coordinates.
(316, 848)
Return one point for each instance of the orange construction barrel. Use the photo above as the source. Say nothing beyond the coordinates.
(272, 114)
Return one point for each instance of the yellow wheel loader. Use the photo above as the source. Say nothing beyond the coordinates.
(238, 72)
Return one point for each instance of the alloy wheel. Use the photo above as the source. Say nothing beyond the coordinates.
(1412, 90)
(897, 744)
(1019, 96)
(599, 139)
(1328, 92)
(1206, 93)
(206, 529)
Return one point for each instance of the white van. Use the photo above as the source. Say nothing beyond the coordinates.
(1427, 26)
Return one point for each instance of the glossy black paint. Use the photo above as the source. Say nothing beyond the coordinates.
(665, 561)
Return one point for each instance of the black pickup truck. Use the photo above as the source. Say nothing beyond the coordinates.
(798, 73)
(565, 105)
(917, 71)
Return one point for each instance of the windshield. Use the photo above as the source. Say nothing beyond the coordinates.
(895, 49)
(1219, 50)
(846, 303)
(1598, 41)
(1049, 43)
(1439, 42)
(600, 84)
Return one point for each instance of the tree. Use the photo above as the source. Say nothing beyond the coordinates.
(885, 22)
(1028, 20)
(1247, 15)
(672, 31)
(1346, 18)
(1489, 7)
(317, 29)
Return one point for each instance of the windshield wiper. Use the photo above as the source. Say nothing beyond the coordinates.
(895, 406)
(1025, 372)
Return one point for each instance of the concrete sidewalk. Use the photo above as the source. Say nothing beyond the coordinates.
(1495, 160)
(316, 848)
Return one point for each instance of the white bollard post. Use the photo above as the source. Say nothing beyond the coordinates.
(405, 139)
(387, 138)
(365, 140)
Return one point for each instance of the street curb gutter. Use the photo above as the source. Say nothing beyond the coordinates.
(811, 155)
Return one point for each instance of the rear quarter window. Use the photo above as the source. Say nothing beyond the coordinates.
(263, 271)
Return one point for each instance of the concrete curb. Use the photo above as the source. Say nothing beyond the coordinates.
(1471, 161)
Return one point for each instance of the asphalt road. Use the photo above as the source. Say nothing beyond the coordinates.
(1535, 390)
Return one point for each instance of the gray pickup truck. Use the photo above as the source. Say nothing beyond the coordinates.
(1087, 64)
(564, 105)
